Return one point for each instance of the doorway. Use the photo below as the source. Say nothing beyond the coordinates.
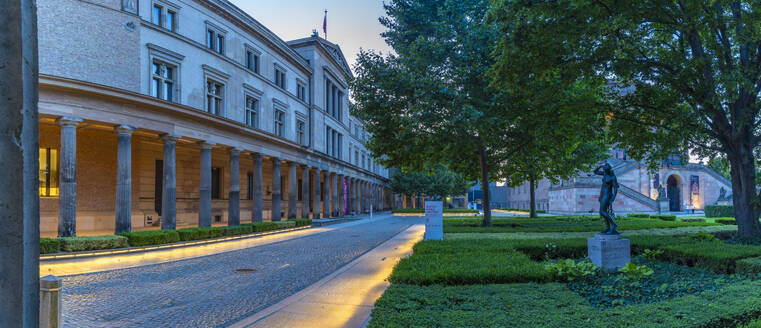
(673, 192)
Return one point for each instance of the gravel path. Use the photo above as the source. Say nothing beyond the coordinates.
(206, 292)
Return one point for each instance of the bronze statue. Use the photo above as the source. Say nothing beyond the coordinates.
(608, 192)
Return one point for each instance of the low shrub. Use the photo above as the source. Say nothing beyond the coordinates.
(714, 256)
(664, 217)
(635, 272)
(189, 234)
(88, 243)
(151, 237)
(49, 245)
(639, 215)
(542, 249)
(716, 211)
(726, 221)
(302, 222)
(408, 210)
(693, 219)
(237, 230)
(750, 265)
(269, 226)
(570, 270)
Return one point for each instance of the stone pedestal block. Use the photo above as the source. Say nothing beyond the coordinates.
(609, 252)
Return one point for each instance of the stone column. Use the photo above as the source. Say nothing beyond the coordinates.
(341, 205)
(67, 199)
(19, 156)
(256, 206)
(233, 210)
(316, 195)
(124, 179)
(293, 188)
(334, 195)
(204, 194)
(169, 191)
(305, 190)
(326, 195)
(276, 192)
(350, 190)
(354, 194)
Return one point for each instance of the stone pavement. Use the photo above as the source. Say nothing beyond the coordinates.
(345, 297)
(207, 292)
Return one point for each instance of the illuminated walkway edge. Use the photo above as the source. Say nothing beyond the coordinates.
(345, 297)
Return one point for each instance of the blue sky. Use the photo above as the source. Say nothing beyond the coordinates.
(352, 24)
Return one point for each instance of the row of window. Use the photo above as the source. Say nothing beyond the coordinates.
(333, 142)
(333, 100)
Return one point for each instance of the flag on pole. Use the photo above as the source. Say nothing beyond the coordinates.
(325, 25)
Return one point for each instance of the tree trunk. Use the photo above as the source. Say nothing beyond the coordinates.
(414, 200)
(744, 195)
(532, 196)
(485, 185)
(404, 201)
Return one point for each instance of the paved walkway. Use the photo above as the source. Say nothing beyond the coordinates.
(345, 297)
(207, 292)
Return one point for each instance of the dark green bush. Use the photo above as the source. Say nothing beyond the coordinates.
(236, 230)
(88, 243)
(302, 222)
(714, 256)
(49, 245)
(664, 217)
(269, 226)
(639, 215)
(726, 221)
(750, 265)
(151, 237)
(716, 211)
(571, 223)
(693, 220)
(189, 234)
(408, 210)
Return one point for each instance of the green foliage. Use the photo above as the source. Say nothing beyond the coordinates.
(269, 226)
(651, 254)
(88, 243)
(557, 224)
(49, 245)
(664, 217)
(639, 215)
(570, 270)
(636, 272)
(197, 233)
(459, 263)
(714, 256)
(716, 211)
(726, 221)
(748, 266)
(446, 210)
(303, 222)
(701, 236)
(434, 180)
(554, 305)
(151, 237)
(546, 249)
(692, 219)
(237, 230)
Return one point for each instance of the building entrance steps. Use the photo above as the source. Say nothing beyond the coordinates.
(345, 297)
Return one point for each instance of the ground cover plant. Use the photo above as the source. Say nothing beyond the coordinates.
(88, 243)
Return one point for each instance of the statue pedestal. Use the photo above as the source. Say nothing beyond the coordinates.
(609, 252)
(663, 205)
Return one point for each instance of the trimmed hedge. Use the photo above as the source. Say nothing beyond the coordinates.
(692, 220)
(88, 243)
(302, 222)
(189, 234)
(269, 226)
(664, 217)
(750, 265)
(556, 224)
(716, 211)
(726, 221)
(714, 256)
(520, 210)
(49, 245)
(638, 215)
(237, 230)
(151, 237)
(446, 210)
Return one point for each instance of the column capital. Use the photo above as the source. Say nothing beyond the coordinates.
(170, 137)
(206, 144)
(68, 121)
(256, 155)
(124, 129)
(276, 159)
(235, 151)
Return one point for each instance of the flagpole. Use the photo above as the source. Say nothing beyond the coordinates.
(325, 24)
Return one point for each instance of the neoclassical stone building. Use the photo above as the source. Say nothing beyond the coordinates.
(685, 186)
(171, 113)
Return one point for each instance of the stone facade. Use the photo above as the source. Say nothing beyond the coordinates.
(97, 68)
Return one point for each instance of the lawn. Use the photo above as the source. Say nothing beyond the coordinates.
(685, 279)
(571, 223)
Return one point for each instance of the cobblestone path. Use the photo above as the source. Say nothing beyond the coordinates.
(206, 292)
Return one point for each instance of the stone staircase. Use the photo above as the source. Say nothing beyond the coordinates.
(638, 196)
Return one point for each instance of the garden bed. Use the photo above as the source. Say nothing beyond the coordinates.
(570, 223)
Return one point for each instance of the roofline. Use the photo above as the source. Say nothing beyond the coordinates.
(237, 15)
(319, 41)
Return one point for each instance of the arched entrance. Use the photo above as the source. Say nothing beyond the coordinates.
(673, 192)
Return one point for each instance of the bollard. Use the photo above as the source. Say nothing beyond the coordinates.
(50, 302)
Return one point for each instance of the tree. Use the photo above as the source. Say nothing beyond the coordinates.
(720, 165)
(432, 102)
(681, 75)
(435, 181)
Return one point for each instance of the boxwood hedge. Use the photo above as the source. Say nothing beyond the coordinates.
(88, 243)
(49, 245)
(716, 211)
(151, 237)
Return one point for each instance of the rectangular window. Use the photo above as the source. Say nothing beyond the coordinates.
(300, 127)
(171, 20)
(250, 185)
(220, 44)
(356, 158)
(252, 61)
(279, 77)
(252, 111)
(300, 194)
(340, 105)
(210, 38)
(214, 97)
(339, 147)
(48, 172)
(301, 92)
(162, 80)
(279, 122)
(216, 174)
(156, 16)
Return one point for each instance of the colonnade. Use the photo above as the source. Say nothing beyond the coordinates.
(333, 194)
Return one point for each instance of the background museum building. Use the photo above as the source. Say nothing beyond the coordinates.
(170, 113)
